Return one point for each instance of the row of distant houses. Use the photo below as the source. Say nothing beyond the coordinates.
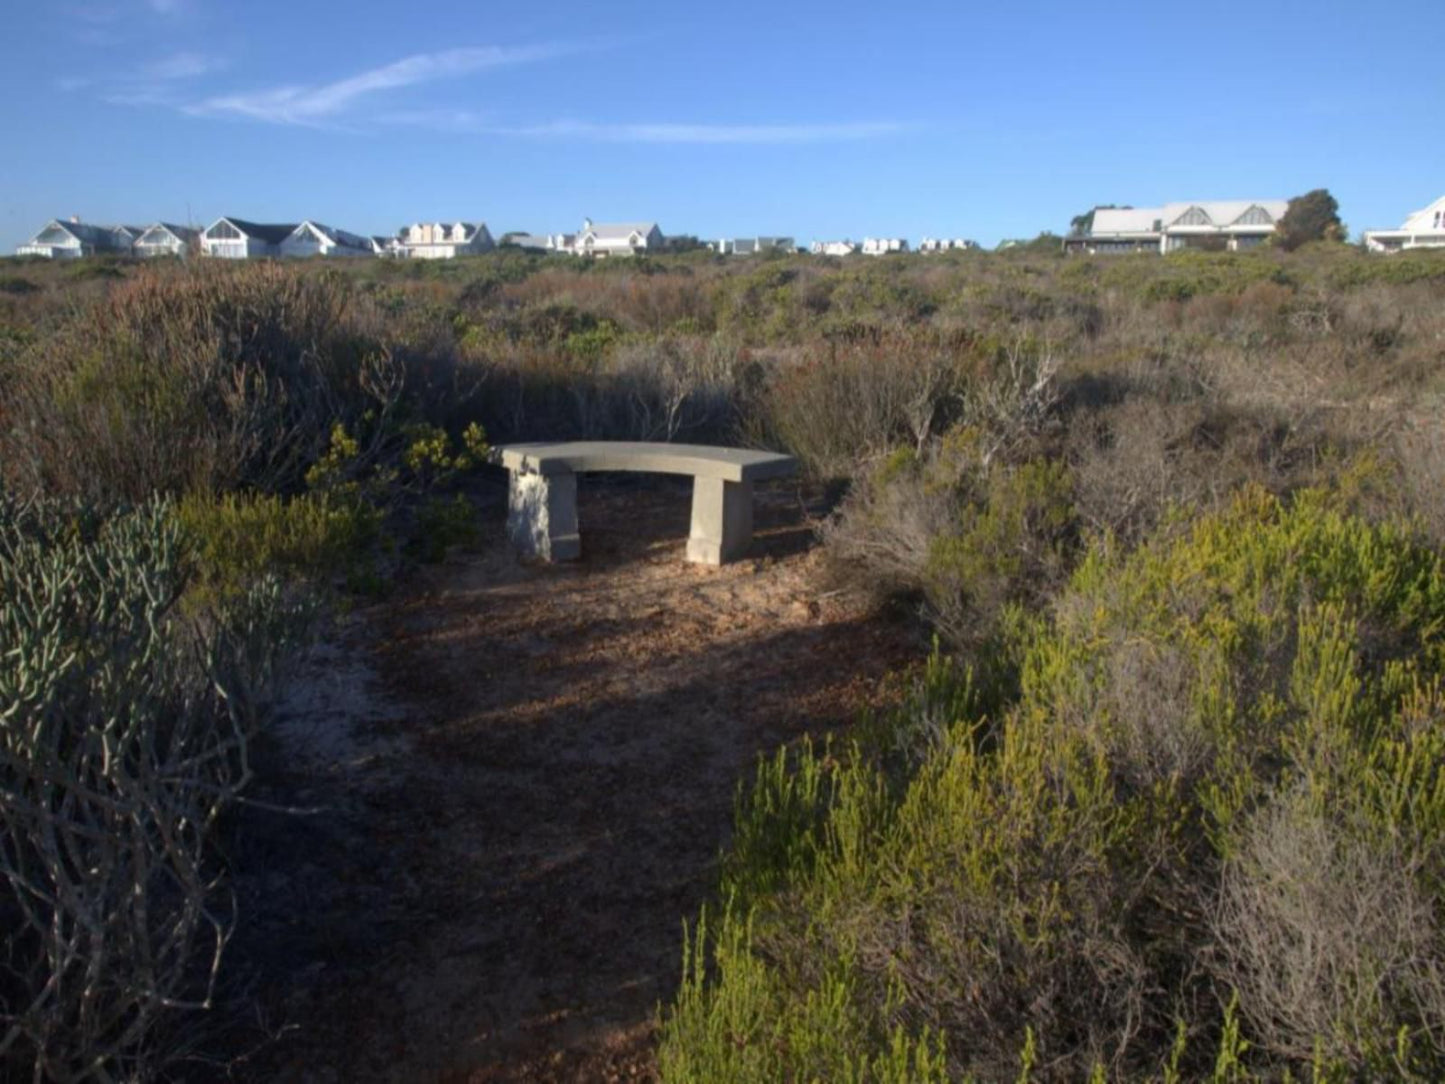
(884, 246)
(239, 239)
(1233, 225)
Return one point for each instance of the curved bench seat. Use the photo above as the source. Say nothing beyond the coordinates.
(698, 460)
(542, 492)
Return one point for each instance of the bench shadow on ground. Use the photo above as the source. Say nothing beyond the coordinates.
(505, 900)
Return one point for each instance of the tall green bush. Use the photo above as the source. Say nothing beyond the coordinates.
(1218, 746)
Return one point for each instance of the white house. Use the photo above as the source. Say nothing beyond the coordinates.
(945, 244)
(1423, 229)
(73, 238)
(833, 248)
(385, 246)
(314, 239)
(531, 242)
(165, 239)
(444, 240)
(237, 239)
(882, 246)
(749, 246)
(1230, 224)
(600, 239)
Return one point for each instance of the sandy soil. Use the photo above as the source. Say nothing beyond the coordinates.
(523, 776)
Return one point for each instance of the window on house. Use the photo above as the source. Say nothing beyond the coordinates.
(224, 231)
(1193, 217)
(54, 235)
(1255, 216)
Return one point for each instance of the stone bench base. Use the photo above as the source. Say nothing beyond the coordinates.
(542, 496)
(542, 518)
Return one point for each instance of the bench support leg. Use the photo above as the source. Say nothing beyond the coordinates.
(722, 520)
(542, 515)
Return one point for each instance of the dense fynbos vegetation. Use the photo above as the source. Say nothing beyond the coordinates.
(1204, 780)
(1164, 804)
(127, 717)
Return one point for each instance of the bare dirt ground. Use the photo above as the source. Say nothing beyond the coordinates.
(523, 777)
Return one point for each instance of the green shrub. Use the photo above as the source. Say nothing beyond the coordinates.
(1218, 746)
(17, 285)
(442, 524)
(238, 539)
(124, 730)
(204, 378)
(965, 536)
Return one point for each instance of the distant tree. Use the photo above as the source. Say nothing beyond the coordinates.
(1082, 224)
(1048, 241)
(1315, 216)
(684, 242)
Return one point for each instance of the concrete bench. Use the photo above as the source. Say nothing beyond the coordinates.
(542, 494)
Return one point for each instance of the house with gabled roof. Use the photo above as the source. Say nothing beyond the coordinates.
(1226, 224)
(945, 244)
(316, 239)
(385, 246)
(238, 239)
(751, 246)
(72, 238)
(165, 239)
(601, 239)
(882, 246)
(1423, 229)
(833, 248)
(444, 240)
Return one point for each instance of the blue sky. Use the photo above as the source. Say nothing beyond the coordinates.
(846, 118)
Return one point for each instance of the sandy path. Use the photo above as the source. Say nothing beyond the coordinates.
(527, 774)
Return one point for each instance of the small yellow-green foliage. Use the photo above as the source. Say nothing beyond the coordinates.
(427, 458)
(1021, 526)
(1088, 874)
(238, 538)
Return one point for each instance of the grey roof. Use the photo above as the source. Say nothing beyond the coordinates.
(1222, 213)
(344, 238)
(270, 232)
(84, 232)
(618, 231)
(180, 233)
(1126, 219)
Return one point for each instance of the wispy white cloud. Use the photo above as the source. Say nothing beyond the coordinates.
(156, 82)
(461, 121)
(321, 103)
(711, 133)
(183, 65)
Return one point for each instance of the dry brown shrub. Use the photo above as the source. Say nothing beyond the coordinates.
(842, 404)
(635, 301)
(208, 378)
(1329, 939)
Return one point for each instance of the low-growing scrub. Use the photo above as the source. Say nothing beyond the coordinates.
(1206, 831)
(125, 724)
